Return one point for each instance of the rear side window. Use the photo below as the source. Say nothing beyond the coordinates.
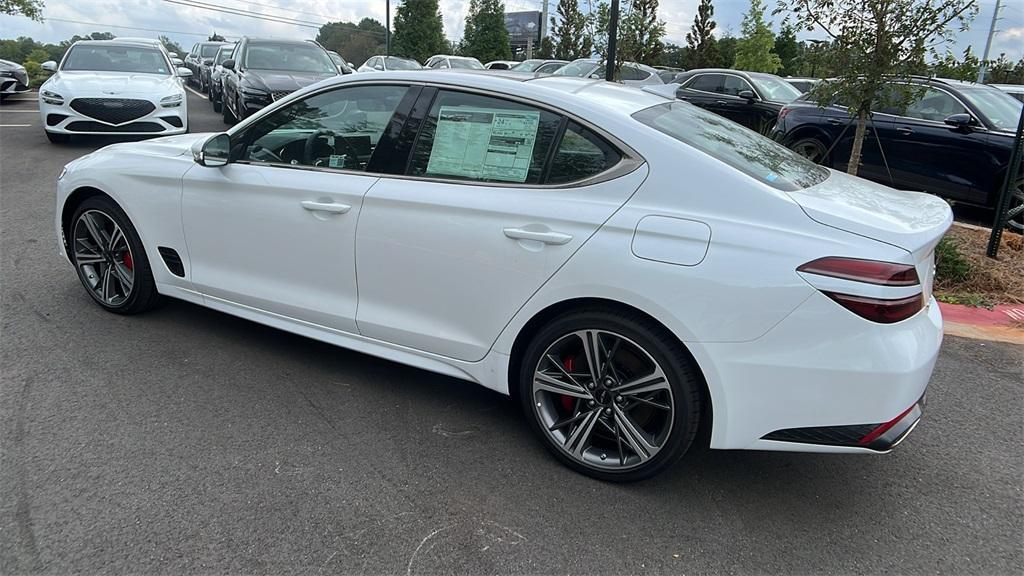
(581, 154)
(728, 142)
(483, 139)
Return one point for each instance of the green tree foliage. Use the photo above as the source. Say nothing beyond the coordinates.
(1004, 71)
(726, 51)
(755, 50)
(675, 56)
(569, 31)
(790, 51)
(418, 32)
(485, 36)
(355, 42)
(215, 38)
(546, 49)
(703, 48)
(29, 8)
(949, 66)
(642, 33)
(171, 45)
(874, 41)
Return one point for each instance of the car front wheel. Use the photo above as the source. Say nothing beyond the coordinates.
(612, 395)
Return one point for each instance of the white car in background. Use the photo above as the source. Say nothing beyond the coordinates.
(1015, 90)
(534, 235)
(113, 87)
(13, 78)
(631, 73)
(444, 61)
(386, 63)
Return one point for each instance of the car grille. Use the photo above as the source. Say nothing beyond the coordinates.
(85, 126)
(112, 110)
(280, 94)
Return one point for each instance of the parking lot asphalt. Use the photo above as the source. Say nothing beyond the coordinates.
(189, 441)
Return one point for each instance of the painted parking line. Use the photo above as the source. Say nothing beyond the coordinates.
(201, 95)
(14, 125)
(32, 111)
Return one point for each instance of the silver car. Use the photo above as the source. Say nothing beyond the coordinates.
(632, 73)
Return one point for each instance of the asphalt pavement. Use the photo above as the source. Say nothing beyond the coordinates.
(188, 441)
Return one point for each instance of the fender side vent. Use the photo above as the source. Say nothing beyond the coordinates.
(172, 260)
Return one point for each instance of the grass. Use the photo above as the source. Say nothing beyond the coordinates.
(965, 275)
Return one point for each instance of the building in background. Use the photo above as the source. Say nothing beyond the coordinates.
(524, 32)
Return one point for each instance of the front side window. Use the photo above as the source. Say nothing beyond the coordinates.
(741, 148)
(708, 83)
(135, 59)
(224, 53)
(733, 85)
(291, 57)
(580, 155)
(484, 139)
(337, 129)
(934, 105)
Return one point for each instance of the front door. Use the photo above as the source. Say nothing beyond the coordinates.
(275, 228)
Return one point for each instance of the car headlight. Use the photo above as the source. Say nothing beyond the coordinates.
(255, 92)
(63, 171)
(51, 97)
(171, 101)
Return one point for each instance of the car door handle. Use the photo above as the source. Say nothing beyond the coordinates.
(835, 121)
(546, 237)
(905, 130)
(325, 207)
(722, 102)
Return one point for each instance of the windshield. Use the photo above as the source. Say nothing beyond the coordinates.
(304, 57)
(209, 50)
(579, 68)
(136, 59)
(465, 63)
(775, 88)
(336, 58)
(223, 53)
(743, 149)
(528, 65)
(1001, 109)
(395, 63)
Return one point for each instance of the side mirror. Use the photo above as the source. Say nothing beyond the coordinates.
(378, 67)
(747, 95)
(184, 72)
(212, 152)
(228, 64)
(959, 121)
(50, 66)
(177, 62)
(595, 76)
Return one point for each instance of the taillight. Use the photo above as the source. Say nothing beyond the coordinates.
(881, 310)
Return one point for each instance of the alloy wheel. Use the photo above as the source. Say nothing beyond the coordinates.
(603, 400)
(1015, 215)
(810, 149)
(104, 258)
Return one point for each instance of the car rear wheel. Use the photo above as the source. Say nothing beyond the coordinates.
(58, 138)
(811, 148)
(611, 395)
(1015, 215)
(109, 258)
(226, 114)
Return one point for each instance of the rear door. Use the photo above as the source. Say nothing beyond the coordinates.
(448, 252)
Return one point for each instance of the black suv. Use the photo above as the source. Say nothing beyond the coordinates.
(752, 99)
(954, 140)
(262, 71)
(197, 57)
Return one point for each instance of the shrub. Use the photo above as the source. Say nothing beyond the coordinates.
(951, 266)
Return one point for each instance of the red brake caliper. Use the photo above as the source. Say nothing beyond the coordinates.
(128, 259)
(567, 401)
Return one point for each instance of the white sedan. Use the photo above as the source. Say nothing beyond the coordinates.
(639, 273)
(110, 86)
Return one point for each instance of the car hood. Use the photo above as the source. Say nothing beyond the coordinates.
(279, 81)
(914, 221)
(99, 84)
(167, 146)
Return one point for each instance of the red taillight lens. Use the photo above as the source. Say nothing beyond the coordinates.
(869, 271)
(878, 309)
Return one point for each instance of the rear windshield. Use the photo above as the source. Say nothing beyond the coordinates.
(466, 63)
(743, 149)
(395, 63)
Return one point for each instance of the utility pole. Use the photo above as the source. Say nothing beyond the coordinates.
(988, 43)
(544, 20)
(387, 27)
(613, 37)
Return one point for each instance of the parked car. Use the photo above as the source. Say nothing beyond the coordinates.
(631, 73)
(1015, 90)
(385, 63)
(13, 78)
(804, 85)
(206, 67)
(261, 71)
(954, 140)
(752, 99)
(108, 86)
(668, 74)
(772, 302)
(343, 66)
(458, 62)
(501, 65)
(201, 55)
(215, 93)
(539, 66)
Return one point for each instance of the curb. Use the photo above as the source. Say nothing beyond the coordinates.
(1003, 323)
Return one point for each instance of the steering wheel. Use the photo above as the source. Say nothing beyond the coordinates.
(256, 149)
(307, 153)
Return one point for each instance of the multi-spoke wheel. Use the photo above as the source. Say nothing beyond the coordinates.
(611, 395)
(810, 148)
(109, 258)
(1015, 215)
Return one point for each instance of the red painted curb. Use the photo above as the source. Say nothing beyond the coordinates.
(1002, 315)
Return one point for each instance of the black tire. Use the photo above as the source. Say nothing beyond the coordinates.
(684, 380)
(811, 148)
(217, 106)
(58, 138)
(1015, 211)
(209, 93)
(143, 294)
(226, 114)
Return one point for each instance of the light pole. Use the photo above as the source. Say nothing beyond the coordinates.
(387, 27)
(613, 36)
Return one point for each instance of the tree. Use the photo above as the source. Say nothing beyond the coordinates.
(754, 51)
(703, 48)
(418, 31)
(642, 33)
(29, 8)
(215, 38)
(546, 50)
(355, 42)
(569, 31)
(726, 46)
(789, 50)
(675, 56)
(485, 36)
(171, 45)
(873, 42)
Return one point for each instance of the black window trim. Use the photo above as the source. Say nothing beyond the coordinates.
(748, 83)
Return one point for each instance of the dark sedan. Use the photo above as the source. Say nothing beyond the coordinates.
(953, 140)
(752, 99)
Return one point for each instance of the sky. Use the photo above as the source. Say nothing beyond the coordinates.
(186, 25)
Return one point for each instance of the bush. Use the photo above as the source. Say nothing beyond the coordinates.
(951, 266)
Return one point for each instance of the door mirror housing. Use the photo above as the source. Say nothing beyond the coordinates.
(747, 95)
(213, 152)
(49, 66)
(184, 72)
(178, 62)
(228, 64)
(960, 121)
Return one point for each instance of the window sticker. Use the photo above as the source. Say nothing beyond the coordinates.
(484, 143)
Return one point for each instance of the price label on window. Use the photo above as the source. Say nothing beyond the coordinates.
(484, 143)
